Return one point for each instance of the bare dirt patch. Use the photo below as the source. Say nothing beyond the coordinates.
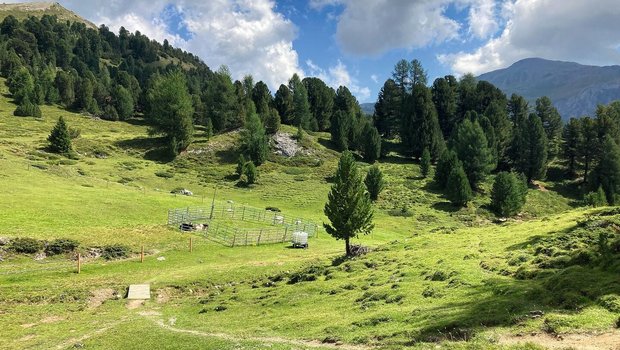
(163, 295)
(585, 341)
(53, 319)
(134, 304)
(99, 296)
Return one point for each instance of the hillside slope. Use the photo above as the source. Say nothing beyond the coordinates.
(575, 89)
(38, 9)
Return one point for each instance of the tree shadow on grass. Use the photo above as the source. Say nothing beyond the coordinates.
(569, 190)
(151, 146)
(446, 207)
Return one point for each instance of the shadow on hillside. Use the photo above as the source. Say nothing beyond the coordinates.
(397, 159)
(569, 190)
(137, 121)
(227, 156)
(446, 207)
(327, 143)
(151, 146)
(542, 288)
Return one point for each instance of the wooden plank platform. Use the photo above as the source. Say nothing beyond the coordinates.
(139, 292)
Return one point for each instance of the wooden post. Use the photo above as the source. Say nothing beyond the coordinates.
(79, 263)
(259, 236)
(191, 247)
(285, 232)
(243, 213)
(142, 254)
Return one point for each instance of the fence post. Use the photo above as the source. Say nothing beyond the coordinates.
(79, 263)
(142, 254)
(243, 213)
(285, 232)
(259, 236)
(234, 239)
(246, 237)
(191, 246)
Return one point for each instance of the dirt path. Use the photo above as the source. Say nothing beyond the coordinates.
(264, 340)
(72, 341)
(603, 341)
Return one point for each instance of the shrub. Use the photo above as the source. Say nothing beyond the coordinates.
(458, 189)
(26, 245)
(596, 199)
(610, 302)
(164, 174)
(61, 246)
(274, 209)
(251, 174)
(115, 251)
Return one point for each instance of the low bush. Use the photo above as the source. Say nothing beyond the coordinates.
(61, 246)
(164, 174)
(115, 251)
(26, 245)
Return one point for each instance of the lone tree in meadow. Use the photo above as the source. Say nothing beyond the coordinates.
(251, 173)
(170, 111)
(458, 190)
(425, 163)
(59, 139)
(348, 207)
(508, 194)
(254, 140)
(374, 182)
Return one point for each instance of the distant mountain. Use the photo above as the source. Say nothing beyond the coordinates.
(575, 89)
(24, 10)
(368, 108)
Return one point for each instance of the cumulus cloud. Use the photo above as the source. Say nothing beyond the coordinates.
(482, 18)
(249, 36)
(338, 75)
(372, 27)
(575, 30)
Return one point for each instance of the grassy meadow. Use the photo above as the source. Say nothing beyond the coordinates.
(437, 276)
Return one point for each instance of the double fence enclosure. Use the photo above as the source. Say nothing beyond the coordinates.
(239, 225)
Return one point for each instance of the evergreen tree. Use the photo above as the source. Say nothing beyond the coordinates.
(321, 99)
(261, 96)
(223, 108)
(251, 173)
(596, 199)
(458, 190)
(59, 140)
(371, 143)
(445, 98)
(607, 172)
(468, 98)
(552, 123)
(502, 128)
(27, 109)
(374, 182)
(348, 208)
(272, 122)
(589, 144)
(340, 126)
(123, 102)
(66, 88)
(508, 194)
(283, 102)
(571, 137)
(170, 111)
(110, 113)
(472, 149)
(387, 109)
(425, 163)
(254, 140)
(241, 162)
(301, 106)
(426, 131)
(447, 161)
(518, 109)
(21, 86)
(530, 148)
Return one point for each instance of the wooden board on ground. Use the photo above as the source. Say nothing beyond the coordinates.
(139, 292)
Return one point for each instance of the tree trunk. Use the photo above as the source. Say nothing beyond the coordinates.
(348, 246)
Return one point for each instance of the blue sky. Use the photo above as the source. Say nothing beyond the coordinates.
(357, 42)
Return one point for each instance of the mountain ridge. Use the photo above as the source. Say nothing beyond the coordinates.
(24, 10)
(574, 88)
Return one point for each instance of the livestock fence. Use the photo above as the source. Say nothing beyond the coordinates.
(223, 223)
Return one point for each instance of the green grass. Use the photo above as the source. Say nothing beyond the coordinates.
(439, 276)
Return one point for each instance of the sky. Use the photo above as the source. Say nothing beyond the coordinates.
(357, 42)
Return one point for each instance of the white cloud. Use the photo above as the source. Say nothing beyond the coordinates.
(372, 27)
(482, 19)
(338, 75)
(249, 36)
(574, 30)
(374, 78)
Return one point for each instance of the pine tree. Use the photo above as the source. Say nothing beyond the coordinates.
(301, 107)
(596, 199)
(283, 102)
(340, 125)
(607, 172)
(272, 122)
(552, 123)
(374, 182)
(170, 111)
(348, 208)
(241, 162)
(458, 190)
(507, 195)
(426, 130)
(251, 173)
(371, 143)
(123, 102)
(571, 137)
(472, 149)
(254, 140)
(59, 140)
(447, 161)
(445, 98)
(387, 109)
(530, 148)
(425, 163)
